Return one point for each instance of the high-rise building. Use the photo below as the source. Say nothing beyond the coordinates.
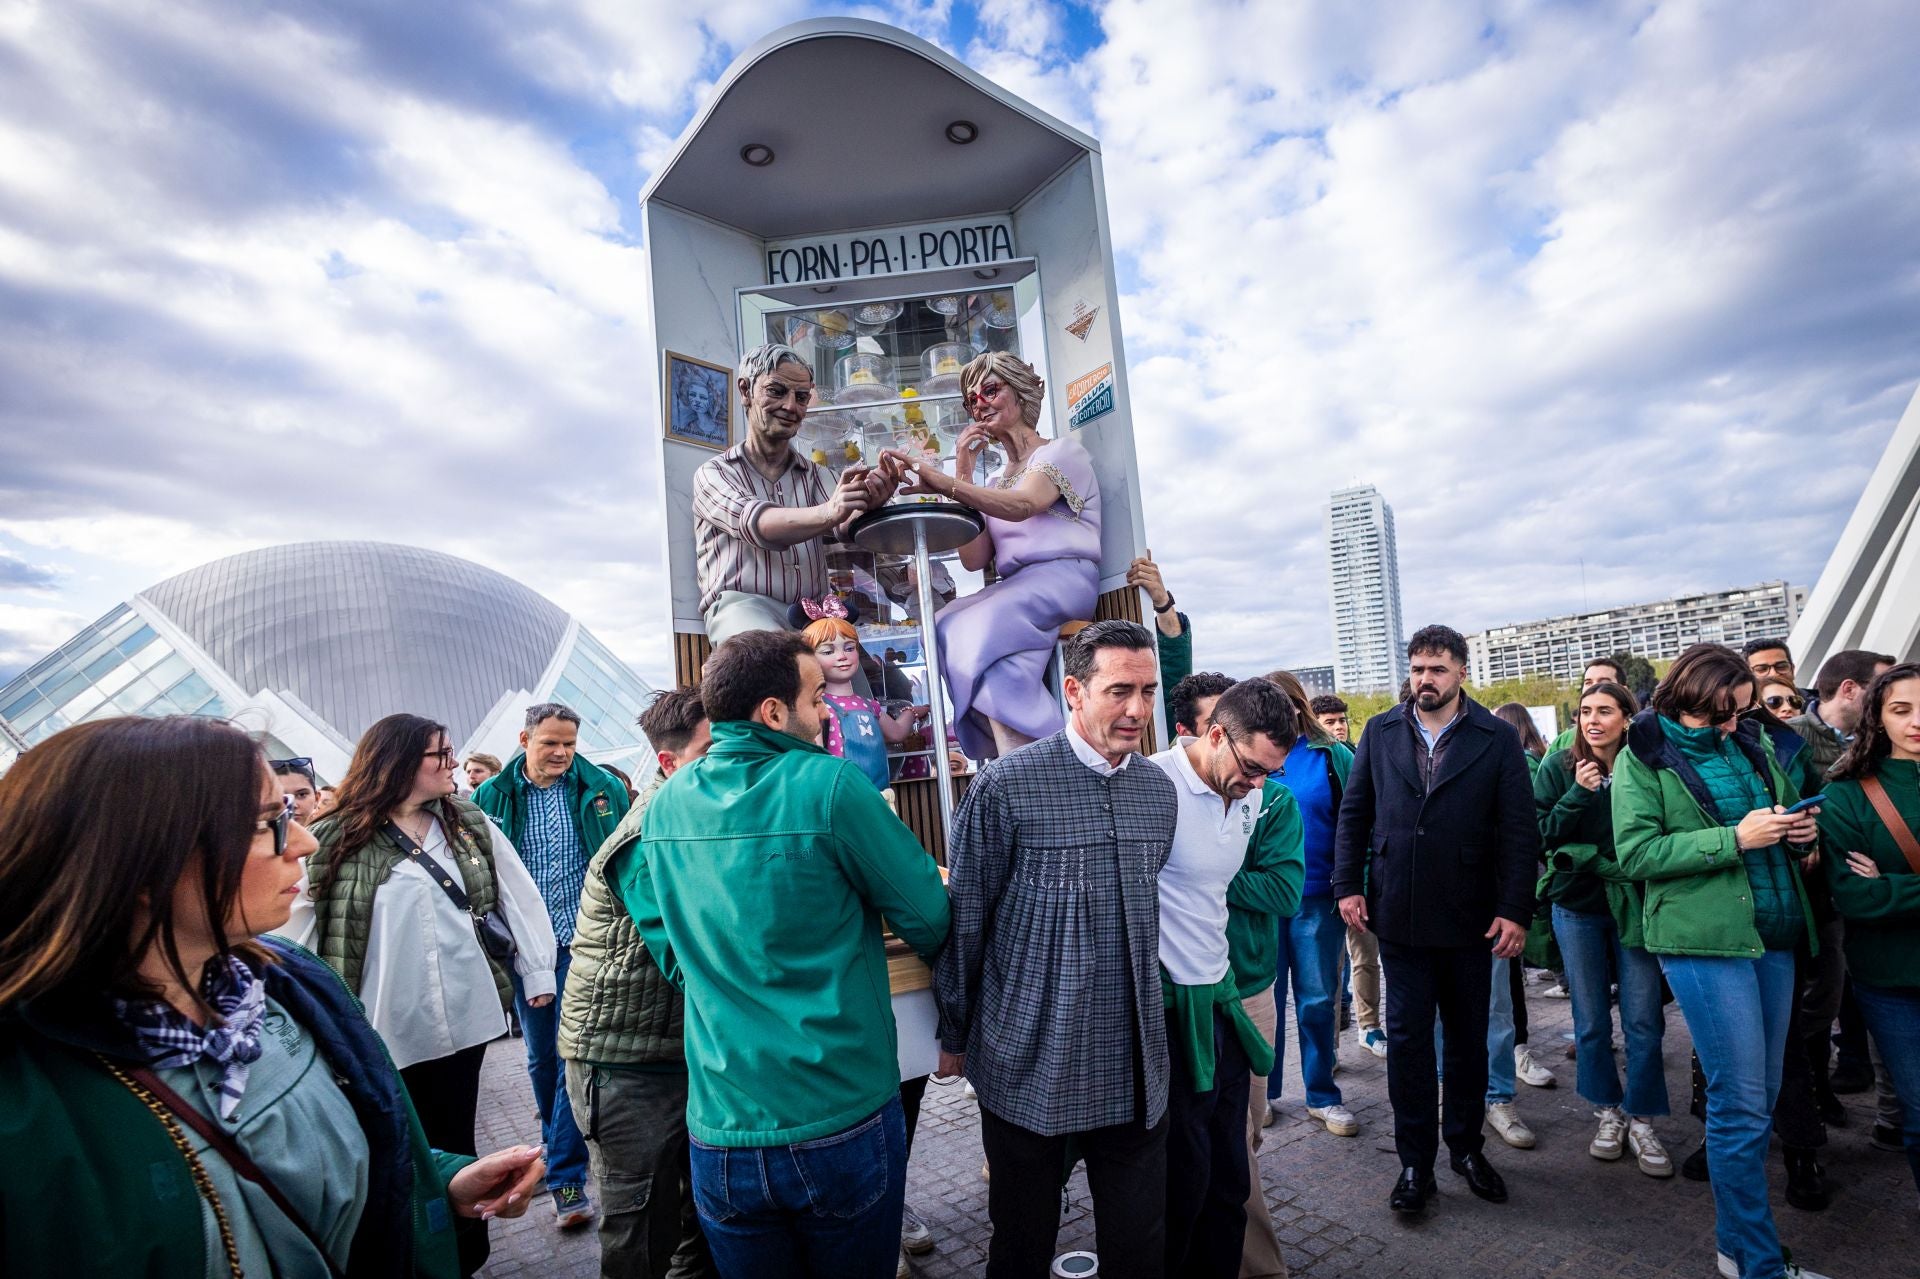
(1369, 641)
(1561, 646)
(1317, 680)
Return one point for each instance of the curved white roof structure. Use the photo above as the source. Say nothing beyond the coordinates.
(313, 642)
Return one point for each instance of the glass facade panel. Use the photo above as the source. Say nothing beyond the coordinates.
(609, 699)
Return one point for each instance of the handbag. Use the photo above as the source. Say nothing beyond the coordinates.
(1890, 817)
(495, 937)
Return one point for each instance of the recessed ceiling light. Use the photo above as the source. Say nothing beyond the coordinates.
(961, 132)
(757, 154)
(823, 288)
(987, 273)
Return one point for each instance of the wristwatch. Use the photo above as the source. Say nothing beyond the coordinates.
(1167, 606)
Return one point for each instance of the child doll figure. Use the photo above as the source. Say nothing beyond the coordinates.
(860, 729)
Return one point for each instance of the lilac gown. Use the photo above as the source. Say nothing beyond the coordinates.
(994, 645)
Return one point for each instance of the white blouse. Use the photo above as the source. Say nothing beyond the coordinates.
(426, 983)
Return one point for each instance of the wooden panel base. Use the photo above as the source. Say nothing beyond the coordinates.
(905, 972)
(689, 658)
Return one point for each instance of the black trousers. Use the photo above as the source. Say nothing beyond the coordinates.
(1127, 1171)
(1517, 980)
(1452, 982)
(446, 1096)
(1208, 1179)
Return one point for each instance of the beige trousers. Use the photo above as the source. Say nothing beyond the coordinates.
(1363, 952)
(1260, 1257)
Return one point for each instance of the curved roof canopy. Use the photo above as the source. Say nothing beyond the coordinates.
(355, 629)
(856, 114)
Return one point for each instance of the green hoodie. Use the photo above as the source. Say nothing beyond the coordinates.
(1883, 914)
(759, 883)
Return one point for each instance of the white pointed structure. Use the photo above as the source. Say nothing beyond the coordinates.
(1868, 596)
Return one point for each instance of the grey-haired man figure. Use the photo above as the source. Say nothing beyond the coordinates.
(760, 509)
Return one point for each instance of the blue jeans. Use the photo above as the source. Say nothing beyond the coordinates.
(829, 1207)
(1312, 944)
(1738, 1011)
(1501, 1037)
(566, 1148)
(1590, 943)
(1893, 1018)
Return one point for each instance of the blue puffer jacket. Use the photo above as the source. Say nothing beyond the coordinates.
(1737, 789)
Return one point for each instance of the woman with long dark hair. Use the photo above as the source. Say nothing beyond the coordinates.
(407, 885)
(1699, 817)
(1870, 824)
(1596, 919)
(214, 1099)
(1531, 742)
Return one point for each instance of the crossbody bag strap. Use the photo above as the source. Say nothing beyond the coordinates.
(229, 1149)
(1890, 818)
(448, 880)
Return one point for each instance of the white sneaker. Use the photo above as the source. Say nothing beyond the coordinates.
(1556, 991)
(1647, 1149)
(1609, 1142)
(1268, 1114)
(1372, 1040)
(1502, 1120)
(1529, 1071)
(1732, 1271)
(1338, 1119)
(966, 1090)
(915, 1236)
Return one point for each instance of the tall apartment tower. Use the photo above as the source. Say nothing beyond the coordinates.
(1369, 640)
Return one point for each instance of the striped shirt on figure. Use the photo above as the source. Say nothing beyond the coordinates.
(728, 496)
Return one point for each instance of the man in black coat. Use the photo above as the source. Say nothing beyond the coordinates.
(1435, 853)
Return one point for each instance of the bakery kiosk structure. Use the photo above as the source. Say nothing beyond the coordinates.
(860, 195)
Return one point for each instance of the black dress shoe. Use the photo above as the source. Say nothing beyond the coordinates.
(1850, 1077)
(1806, 1182)
(1411, 1192)
(1482, 1180)
(1832, 1113)
(1694, 1166)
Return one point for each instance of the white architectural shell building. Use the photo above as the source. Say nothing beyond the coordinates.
(310, 643)
(1868, 596)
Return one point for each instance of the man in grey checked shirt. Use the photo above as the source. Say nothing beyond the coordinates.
(1049, 987)
(556, 809)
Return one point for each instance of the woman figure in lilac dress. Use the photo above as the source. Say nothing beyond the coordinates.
(1043, 539)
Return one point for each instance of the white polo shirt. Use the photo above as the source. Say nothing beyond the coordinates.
(1209, 846)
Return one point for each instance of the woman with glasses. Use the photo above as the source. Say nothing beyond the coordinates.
(205, 1100)
(1870, 825)
(1782, 699)
(1699, 817)
(1043, 541)
(1596, 920)
(380, 910)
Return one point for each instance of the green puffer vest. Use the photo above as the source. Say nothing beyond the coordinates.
(618, 1009)
(343, 919)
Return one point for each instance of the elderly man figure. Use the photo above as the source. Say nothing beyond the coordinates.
(1049, 988)
(760, 509)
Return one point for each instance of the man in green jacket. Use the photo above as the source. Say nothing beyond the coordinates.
(556, 808)
(759, 883)
(621, 1038)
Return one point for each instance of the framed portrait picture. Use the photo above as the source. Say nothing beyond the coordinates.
(699, 402)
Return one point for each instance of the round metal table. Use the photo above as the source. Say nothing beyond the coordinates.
(923, 530)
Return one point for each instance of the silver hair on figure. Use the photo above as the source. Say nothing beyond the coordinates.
(762, 360)
(1012, 371)
(540, 714)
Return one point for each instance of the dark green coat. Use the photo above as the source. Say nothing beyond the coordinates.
(1883, 915)
(1576, 836)
(600, 801)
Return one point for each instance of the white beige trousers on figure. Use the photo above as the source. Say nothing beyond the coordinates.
(1363, 953)
(1260, 1258)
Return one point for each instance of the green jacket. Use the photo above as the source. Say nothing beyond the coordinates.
(1266, 890)
(758, 883)
(343, 915)
(1176, 658)
(618, 1009)
(1699, 900)
(132, 1208)
(1576, 834)
(600, 804)
(1883, 915)
(1560, 742)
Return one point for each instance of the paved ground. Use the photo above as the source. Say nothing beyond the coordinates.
(1570, 1216)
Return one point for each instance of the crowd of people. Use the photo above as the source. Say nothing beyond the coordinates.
(245, 1014)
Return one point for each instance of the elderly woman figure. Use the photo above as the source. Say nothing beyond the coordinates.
(1043, 539)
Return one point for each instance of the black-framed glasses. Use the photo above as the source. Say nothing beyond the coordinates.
(278, 825)
(1252, 772)
(445, 755)
(1779, 700)
(1775, 668)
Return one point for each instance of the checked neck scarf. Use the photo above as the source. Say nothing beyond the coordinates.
(233, 1043)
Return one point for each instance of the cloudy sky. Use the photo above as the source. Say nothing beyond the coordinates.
(1630, 284)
